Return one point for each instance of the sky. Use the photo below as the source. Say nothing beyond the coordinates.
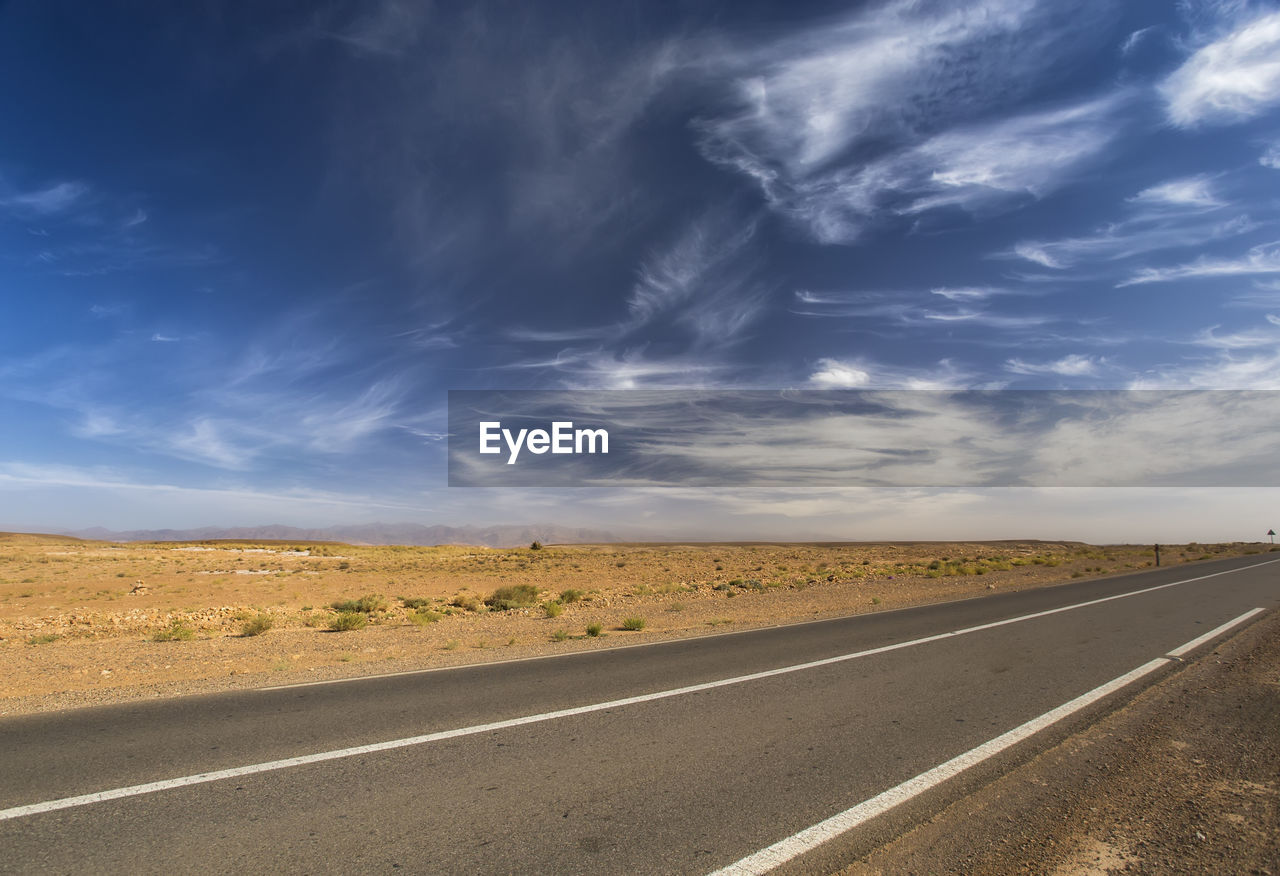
(247, 249)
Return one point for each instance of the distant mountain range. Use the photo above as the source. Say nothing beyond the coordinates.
(371, 533)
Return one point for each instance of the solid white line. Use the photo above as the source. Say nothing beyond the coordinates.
(1212, 634)
(319, 757)
(811, 837)
(683, 639)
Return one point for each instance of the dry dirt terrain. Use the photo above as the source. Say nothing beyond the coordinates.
(85, 622)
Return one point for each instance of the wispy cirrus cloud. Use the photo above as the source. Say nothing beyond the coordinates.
(1191, 191)
(963, 307)
(1230, 369)
(970, 168)
(863, 373)
(1261, 259)
(1129, 238)
(1233, 78)
(967, 293)
(628, 369)
(1177, 213)
(870, 116)
(1072, 365)
(45, 202)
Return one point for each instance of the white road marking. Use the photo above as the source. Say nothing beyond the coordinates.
(390, 745)
(1212, 634)
(811, 837)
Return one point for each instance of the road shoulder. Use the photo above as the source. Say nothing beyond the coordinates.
(1183, 779)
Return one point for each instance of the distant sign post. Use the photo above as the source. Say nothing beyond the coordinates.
(1272, 533)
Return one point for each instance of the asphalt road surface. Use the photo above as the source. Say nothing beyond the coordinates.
(680, 757)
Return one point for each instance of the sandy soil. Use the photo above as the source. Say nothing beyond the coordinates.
(86, 622)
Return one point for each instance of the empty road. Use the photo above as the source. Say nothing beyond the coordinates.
(806, 744)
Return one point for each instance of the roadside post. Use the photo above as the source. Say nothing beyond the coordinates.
(1157, 555)
(1272, 534)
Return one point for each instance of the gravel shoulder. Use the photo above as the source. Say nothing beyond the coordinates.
(1185, 778)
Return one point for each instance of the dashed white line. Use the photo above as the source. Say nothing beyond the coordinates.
(811, 837)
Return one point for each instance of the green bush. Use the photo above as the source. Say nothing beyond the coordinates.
(424, 616)
(567, 596)
(633, 623)
(414, 601)
(535, 546)
(560, 635)
(514, 596)
(177, 631)
(553, 609)
(366, 604)
(593, 630)
(257, 625)
(348, 620)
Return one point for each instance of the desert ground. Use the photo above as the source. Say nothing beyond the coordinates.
(85, 622)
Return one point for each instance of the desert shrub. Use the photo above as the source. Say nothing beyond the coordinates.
(466, 602)
(535, 546)
(257, 625)
(177, 631)
(414, 601)
(513, 596)
(560, 635)
(567, 596)
(43, 639)
(344, 621)
(366, 604)
(633, 623)
(424, 616)
(593, 630)
(553, 609)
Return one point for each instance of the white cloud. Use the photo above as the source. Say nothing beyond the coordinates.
(966, 293)
(899, 87)
(834, 374)
(968, 168)
(1261, 259)
(697, 275)
(830, 373)
(1271, 157)
(1241, 340)
(1191, 191)
(1019, 154)
(1228, 370)
(57, 198)
(1038, 253)
(1128, 238)
(1230, 80)
(1134, 39)
(1073, 365)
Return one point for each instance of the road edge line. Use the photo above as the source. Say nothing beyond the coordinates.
(781, 852)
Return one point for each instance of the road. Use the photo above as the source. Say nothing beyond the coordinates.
(607, 761)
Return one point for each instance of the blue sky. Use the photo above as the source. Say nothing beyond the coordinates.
(246, 249)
